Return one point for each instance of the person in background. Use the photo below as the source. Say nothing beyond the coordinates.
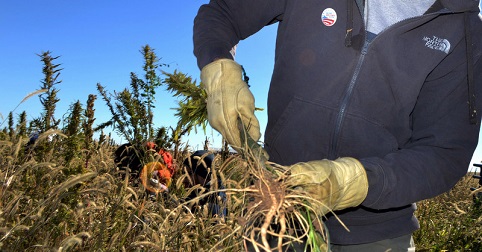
(158, 161)
(382, 97)
(199, 169)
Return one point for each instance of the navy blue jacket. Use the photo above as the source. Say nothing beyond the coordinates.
(399, 103)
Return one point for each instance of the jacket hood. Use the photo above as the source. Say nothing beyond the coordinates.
(461, 5)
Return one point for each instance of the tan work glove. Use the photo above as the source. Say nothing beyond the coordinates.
(229, 98)
(334, 185)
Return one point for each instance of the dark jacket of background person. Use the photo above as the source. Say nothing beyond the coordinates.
(199, 166)
(400, 103)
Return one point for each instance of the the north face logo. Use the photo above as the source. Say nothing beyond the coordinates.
(437, 44)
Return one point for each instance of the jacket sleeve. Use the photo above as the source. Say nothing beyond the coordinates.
(221, 24)
(442, 142)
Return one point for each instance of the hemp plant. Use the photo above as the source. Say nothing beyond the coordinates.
(49, 99)
(73, 131)
(132, 108)
(89, 115)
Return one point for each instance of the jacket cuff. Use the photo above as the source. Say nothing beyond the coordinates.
(209, 55)
(378, 182)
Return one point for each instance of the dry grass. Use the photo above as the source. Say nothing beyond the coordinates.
(56, 206)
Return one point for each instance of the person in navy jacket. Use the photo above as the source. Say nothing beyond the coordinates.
(374, 105)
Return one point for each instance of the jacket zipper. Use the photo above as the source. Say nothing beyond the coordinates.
(345, 101)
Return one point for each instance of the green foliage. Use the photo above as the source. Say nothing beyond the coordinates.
(49, 99)
(22, 124)
(150, 84)
(192, 110)
(11, 130)
(117, 118)
(73, 131)
(162, 139)
(87, 126)
(132, 109)
(74, 119)
(450, 222)
(4, 134)
(102, 138)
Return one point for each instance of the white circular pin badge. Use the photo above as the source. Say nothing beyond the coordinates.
(328, 17)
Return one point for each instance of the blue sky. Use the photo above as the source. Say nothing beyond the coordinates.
(99, 42)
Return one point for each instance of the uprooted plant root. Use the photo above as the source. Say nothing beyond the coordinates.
(267, 205)
(276, 215)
